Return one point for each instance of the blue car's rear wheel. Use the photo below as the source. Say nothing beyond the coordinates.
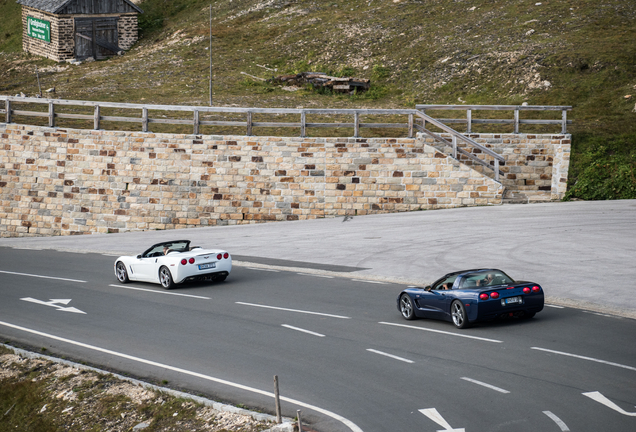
(406, 307)
(165, 278)
(458, 313)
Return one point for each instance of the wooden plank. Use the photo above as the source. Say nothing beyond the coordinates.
(29, 113)
(121, 119)
(276, 124)
(75, 116)
(495, 107)
(169, 121)
(222, 123)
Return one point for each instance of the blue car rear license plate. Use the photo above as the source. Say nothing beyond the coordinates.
(512, 300)
(207, 266)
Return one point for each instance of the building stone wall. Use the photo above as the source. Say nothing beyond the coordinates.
(62, 45)
(70, 181)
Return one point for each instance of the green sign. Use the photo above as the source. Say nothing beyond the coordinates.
(39, 29)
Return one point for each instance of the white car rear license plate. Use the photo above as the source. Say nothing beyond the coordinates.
(207, 266)
(513, 300)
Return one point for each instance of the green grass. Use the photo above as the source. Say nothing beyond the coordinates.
(439, 51)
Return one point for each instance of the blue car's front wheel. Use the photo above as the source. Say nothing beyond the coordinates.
(458, 313)
(406, 307)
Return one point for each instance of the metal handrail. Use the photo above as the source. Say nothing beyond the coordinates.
(469, 121)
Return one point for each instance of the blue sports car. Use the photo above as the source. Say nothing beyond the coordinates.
(467, 296)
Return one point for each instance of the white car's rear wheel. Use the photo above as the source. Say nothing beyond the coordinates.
(121, 273)
(165, 278)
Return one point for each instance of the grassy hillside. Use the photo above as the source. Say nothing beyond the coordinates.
(557, 52)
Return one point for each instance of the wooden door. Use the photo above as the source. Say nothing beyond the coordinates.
(96, 37)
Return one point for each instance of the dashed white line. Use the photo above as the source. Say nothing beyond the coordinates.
(293, 310)
(442, 332)
(483, 384)
(557, 420)
(585, 358)
(556, 307)
(159, 292)
(391, 356)
(43, 277)
(315, 275)
(302, 330)
(345, 421)
(263, 269)
(369, 281)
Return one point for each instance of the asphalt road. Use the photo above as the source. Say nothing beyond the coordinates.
(343, 354)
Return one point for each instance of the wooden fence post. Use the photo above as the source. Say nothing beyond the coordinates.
(303, 120)
(410, 125)
(195, 121)
(564, 121)
(96, 118)
(51, 115)
(469, 121)
(249, 123)
(279, 418)
(144, 119)
(7, 105)
(356, 124)
(517, 120)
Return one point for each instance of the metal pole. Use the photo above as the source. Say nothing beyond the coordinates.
(300, 422)
(279, 419)
(210, 54)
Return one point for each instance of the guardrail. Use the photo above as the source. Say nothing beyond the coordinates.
(412, 115)
(516, 121)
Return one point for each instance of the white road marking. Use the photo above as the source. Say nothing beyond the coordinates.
(556, 307)
(263, 269)
(54, 303)
(557, 420)
(598, 397)
(315, 275)
(43, 277)
(390, 355)
(293, 310)
(585, 358)
(492, 387)
(434, 415)
(302, 330)
(348, 423)
(599, 314)
(442, 332)
(369, 281)
(159, 292)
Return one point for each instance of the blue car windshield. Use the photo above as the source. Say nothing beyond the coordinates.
(485, 278)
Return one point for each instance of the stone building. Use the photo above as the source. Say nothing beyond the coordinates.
(78, 29)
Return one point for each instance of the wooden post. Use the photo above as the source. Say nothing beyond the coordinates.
(51, 115)
(303, 120)
(7, 105)
(300, 421)
(496, 169)
(96, 118)
(410, 125)
(356, 124)
(516, 120)
(279, 419)
(249, 123)
(469, 121)
(196, 122)
(454, 147)
(564, 121)
(424, 120)
(144, 119)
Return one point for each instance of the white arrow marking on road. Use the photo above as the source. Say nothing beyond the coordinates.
(598, 397)
(56, 304)
(437, 418)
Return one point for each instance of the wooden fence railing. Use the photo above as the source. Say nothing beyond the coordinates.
(469, 121)
(10, 110)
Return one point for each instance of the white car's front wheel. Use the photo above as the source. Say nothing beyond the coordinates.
(165, 278)
(121, 273)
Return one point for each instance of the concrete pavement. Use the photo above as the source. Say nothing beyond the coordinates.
(582, 253)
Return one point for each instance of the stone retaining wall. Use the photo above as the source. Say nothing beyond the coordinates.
(70, 181)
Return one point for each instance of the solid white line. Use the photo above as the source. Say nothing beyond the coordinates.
(158, 292)
(44, 277)
(557, 420)
(390, 355)
(369, 281)
(585, 358)
(302, 330)
(293, 310)
(492, 387)
(348, 423)
(442, 332)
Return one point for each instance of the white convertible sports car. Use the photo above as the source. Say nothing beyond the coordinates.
(173, 262)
